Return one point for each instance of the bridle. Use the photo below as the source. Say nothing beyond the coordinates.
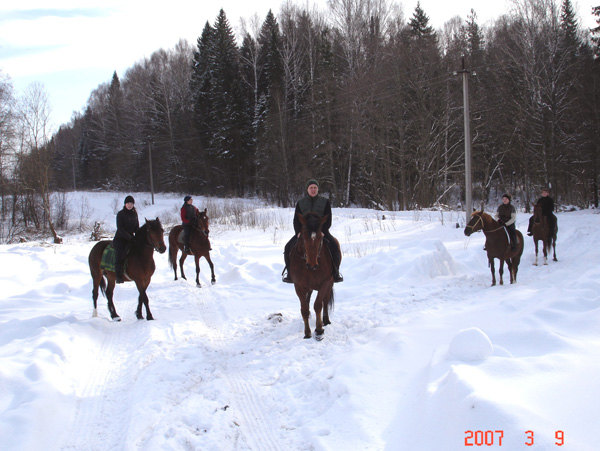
(303, 253)
(480, 219)
(151, 242)
(472, 227)
(201, 228)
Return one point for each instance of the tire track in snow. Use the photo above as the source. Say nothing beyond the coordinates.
(253, 412)
(103, 414)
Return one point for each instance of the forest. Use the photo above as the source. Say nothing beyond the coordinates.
(360, 97)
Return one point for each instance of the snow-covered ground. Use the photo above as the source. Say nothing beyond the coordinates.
(422, 354)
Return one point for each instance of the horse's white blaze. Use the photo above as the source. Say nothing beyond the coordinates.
(313, 236)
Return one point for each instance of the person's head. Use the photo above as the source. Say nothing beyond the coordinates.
(506, 198)
(312, 187)
(545, 192)
(129, 202)
(188, 199)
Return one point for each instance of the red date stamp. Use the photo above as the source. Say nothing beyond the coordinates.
(495, 437)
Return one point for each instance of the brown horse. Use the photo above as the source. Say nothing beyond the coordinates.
(311, 269)
(199, 245)
(540, 231)
(140, 267)
(497, 244)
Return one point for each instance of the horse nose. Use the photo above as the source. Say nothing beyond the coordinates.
(467, 232)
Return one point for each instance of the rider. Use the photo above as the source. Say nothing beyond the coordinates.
(127, 225)
(506, 215)
(313, 203)
(189, 219)
(547, 204)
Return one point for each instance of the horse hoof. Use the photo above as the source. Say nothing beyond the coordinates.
(116, 319)
(150, 318)
(198, 285)
(212, 282)
(307, 336)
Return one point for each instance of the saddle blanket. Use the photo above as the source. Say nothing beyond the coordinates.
(109, 257)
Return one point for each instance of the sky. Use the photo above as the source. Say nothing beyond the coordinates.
(422, 354)
(72, 46)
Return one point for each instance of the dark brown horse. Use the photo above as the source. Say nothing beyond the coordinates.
(540, 231)
(140, 267)
(497, 244)
(311, 270)
(199, 245)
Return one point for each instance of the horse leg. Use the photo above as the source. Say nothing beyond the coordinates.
(109, 295)
(143, 300)
(545, 244)
(554, 248)
(511, 270)
(493, 269)
(95, 285)
(197, 261)
(181, 260)
(501, 270)
(212, 269)
(304, 296)
(173, 259)
(536, 252)
(318, 306)
(326, 310)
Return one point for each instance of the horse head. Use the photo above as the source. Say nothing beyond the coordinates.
(155, 235)
(311, 238)
(475, 223)
(202, 221)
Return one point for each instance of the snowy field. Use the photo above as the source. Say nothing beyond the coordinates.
(422, 354)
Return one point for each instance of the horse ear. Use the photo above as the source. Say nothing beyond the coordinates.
(157, 220)
(205, 211)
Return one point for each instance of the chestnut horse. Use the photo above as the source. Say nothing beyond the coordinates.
(497, 244)
(140, 267)
(311, 269)
(199, 245)
(540, 231)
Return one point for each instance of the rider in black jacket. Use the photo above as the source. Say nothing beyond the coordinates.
(127, 225)
(547, 204)
(313, 203)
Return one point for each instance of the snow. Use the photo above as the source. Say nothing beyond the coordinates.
(420, 351)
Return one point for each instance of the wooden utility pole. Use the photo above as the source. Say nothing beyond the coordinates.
(467, 120)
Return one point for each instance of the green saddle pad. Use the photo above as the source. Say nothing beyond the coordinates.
(109, 257)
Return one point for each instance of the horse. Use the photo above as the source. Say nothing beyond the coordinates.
(540, 231)
(497, 244)
(140, 267)
(311, 269)
(199, 245)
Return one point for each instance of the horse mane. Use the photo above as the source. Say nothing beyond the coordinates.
(140, 237)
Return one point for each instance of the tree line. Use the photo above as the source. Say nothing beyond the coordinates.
(358, 97)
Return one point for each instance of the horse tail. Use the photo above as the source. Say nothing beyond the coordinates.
(172, 261)
(103, 285)
(330, 300)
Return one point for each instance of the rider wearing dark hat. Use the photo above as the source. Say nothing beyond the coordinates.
(506, 215)
(189, 219)
(313, 203)
(127, 225)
